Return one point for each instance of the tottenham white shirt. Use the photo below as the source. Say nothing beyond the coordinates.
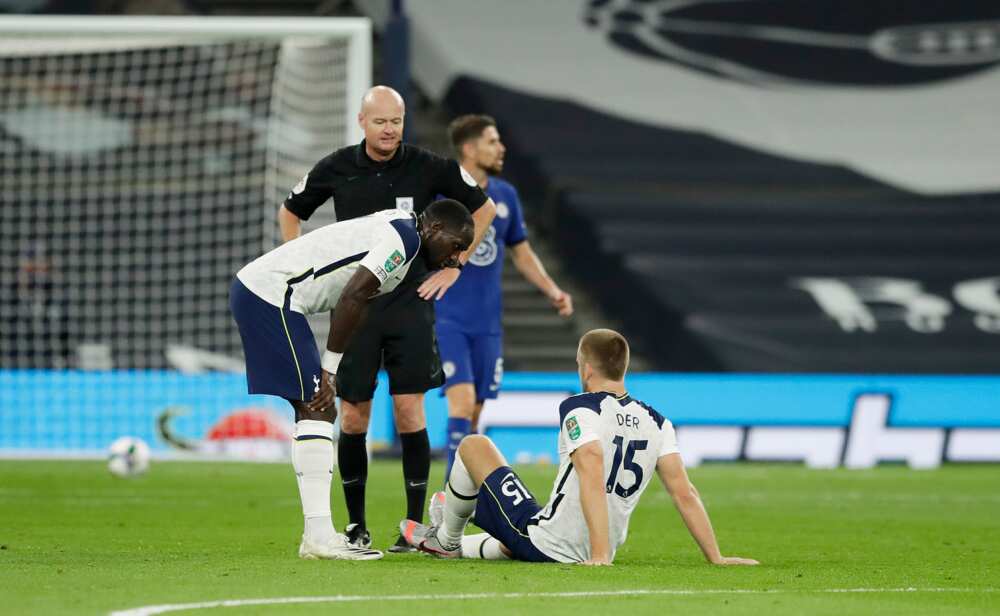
(309, 273)
(633, 437)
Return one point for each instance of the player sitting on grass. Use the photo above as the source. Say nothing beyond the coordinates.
(609, 447)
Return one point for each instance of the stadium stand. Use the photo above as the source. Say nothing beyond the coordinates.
(711, 234)
(719, 255)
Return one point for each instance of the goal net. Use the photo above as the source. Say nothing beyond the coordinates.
(141, 164)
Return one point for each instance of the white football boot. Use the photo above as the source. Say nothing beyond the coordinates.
(336, 549)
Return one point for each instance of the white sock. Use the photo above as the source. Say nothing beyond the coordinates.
(312, 459)
(461, 480)
(459, 503)
(482, 546)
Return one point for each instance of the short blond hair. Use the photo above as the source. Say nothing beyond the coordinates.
(607, 351)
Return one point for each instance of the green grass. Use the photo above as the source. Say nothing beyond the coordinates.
(75, 540)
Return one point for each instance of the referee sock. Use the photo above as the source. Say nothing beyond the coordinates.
(416, 469)
(482, 546)
(312, 459)
(459, 503)
(353, 459)
(458, 428)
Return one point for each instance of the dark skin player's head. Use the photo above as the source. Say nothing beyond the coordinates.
(446, 231)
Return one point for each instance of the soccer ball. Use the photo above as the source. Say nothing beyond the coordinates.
(128, 457)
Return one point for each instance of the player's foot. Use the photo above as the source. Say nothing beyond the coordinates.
(401, 547)
(425, 539)
(335, 549)
(358, 536)
(435, 510)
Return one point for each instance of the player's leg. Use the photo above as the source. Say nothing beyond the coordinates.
(312, 459)
(456, 362)
(487, 368)
(478, 458)
(461, 492)
(408, 413)
(476, 412)
(481, 483)
(461, 406)
(504, 506)
(414, 366)
(282, 360)
(484, 546)
(352, 458)
(462, 488)
(356, 380)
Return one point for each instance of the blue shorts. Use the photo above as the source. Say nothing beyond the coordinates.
(504, 508)
(280, 348)
(471, 358)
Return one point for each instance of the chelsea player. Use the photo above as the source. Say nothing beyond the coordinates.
(468, 327)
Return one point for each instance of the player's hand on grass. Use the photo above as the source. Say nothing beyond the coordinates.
(736, 560)
(323, 399)
(597, 562)
(562, 302)
(437, 283)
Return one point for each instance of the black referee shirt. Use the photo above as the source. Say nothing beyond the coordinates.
(411, 180)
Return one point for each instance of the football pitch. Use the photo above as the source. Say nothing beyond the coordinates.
(74, 540)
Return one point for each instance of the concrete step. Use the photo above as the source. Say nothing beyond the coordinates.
(547, 319)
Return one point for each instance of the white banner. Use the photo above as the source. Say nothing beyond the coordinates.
(938, 137)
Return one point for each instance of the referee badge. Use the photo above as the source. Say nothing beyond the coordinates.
(405, 204)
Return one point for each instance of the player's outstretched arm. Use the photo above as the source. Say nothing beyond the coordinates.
(345, 318)
(435, 286)
(689, 505)
(588, 461)
(530, 266)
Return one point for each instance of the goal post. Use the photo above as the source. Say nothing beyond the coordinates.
(142, 161)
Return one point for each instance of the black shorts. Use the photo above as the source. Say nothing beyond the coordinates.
(399, 333)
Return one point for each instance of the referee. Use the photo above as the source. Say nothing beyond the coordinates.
(383, 173)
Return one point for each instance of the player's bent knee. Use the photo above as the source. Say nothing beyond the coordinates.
(354, 419)
(410, 422)
(461, 400)
(408, 412)
(474, 444)
(408, 404)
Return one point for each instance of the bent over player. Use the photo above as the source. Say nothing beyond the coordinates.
(339, 267)
(609, 447)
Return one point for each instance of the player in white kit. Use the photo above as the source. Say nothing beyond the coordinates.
(336, 268)
(610, 445)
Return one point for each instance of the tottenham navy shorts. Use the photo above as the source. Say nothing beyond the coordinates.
(471, 358)
(280, 348)
(504, 508)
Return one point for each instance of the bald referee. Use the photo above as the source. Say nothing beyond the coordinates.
(379, 173)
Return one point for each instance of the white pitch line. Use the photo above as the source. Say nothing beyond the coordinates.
(151, 610)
